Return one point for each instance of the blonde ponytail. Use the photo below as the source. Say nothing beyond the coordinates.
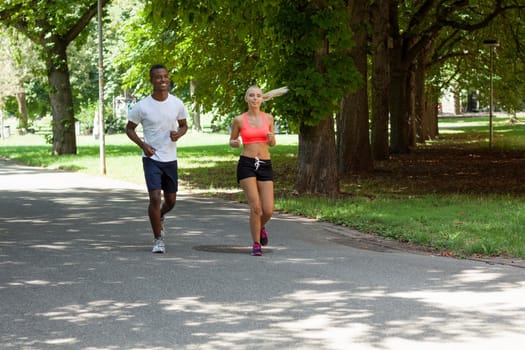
(267, 96)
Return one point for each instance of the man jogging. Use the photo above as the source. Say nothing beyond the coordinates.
(163, 118)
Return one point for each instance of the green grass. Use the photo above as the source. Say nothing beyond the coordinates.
(474, 132)
(461, 225)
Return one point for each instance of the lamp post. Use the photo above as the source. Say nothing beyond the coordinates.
(492, 44)
(102, 145)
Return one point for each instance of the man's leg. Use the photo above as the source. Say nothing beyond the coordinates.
(169, 203)
(170, 186)
(154, 212)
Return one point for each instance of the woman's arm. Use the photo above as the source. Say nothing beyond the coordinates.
(271, 134)
(234, 134)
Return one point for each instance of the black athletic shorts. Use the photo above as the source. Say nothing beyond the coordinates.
(261, 169)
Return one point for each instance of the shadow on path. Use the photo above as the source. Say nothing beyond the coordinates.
(77, 273)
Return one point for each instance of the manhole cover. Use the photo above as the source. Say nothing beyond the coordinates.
(227, 249)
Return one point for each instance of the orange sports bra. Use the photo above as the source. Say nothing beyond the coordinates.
(250, 134)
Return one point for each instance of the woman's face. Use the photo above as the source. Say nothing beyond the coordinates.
(254, 97)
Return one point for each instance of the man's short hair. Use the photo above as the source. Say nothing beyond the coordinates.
(154, 68)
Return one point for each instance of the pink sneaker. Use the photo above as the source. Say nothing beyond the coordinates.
(264, 237)
(256, 250)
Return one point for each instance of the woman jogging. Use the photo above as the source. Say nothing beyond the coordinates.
(254, 169)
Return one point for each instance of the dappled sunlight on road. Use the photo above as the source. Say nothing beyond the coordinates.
(317, 313)
(77, 273)
(490, 300)
(98, 309)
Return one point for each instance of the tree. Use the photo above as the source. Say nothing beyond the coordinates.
(353, 129)
(53, 26)
(415, 28)
(509, 61)
(8, 72)
(16, 67)
(207, 44)
(380, 51)
(310, 55)
(225, 46)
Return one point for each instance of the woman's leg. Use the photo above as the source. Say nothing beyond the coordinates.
(251, 191)
(267, 200)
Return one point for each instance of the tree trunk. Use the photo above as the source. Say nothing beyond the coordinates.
(399, 103)
(422, 120)
(317, 170)
(196, 117)
(353, 129)
(412, 98)
(61, 99)
(431, 113)
(400, 79)
(196, 114)
(380, 79)
(22, 111)
(457, 101)
(355, 156)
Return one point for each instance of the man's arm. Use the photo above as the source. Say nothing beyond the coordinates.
(183, 128)
(132, 134)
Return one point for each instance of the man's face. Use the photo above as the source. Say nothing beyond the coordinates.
(160, 80)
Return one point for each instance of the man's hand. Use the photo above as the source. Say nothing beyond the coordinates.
(175, 135)
(149, 151)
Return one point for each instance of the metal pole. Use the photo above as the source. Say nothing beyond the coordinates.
(491, 102)
(1, 124)
(101, 91)
(492, 44)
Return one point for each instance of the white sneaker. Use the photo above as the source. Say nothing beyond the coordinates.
(158, 246)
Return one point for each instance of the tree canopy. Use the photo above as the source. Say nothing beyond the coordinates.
(415, 49)
(52, 26)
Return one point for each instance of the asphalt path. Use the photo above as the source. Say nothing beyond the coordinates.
(77, 272)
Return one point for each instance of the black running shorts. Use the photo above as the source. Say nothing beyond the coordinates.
(261, 169)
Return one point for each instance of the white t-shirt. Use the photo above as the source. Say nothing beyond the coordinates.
(158, 118)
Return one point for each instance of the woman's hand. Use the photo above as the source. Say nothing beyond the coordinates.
(235, 143)
(271, 138)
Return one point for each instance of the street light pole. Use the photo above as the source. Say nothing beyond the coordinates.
(492, 44)
(102, 145)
